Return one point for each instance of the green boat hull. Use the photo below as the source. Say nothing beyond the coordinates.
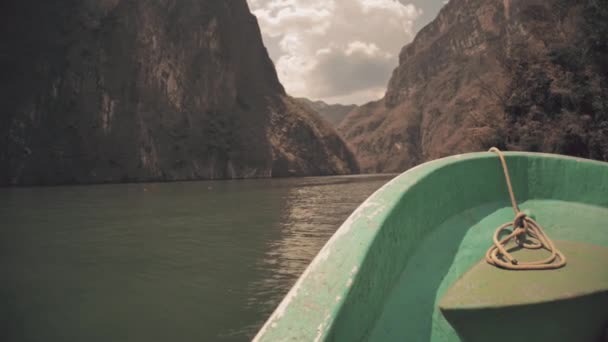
(383, 274)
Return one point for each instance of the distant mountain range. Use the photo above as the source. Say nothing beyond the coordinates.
(134, 90)
(333, 113)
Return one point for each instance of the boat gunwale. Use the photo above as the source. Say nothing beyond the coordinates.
(377, 210)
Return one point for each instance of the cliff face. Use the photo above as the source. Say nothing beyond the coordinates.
(117, 90)
(333, 113)
(517, 74)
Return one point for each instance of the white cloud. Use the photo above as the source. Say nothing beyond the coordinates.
(335, 49)
(369, 49)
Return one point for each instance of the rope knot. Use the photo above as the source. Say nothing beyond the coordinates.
(520, 228)
(525, 232)
(520, 220)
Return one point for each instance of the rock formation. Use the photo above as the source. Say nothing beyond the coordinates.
(518, 74)
(135, 90)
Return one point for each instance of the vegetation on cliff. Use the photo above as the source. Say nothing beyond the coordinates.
(518, 74)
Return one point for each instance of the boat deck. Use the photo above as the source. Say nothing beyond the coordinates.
(411, 311)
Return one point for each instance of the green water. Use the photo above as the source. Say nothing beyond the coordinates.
(200, 261)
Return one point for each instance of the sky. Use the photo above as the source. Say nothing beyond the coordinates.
(339, 51)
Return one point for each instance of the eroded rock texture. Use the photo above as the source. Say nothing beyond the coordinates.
(137, 90)
(518, 74)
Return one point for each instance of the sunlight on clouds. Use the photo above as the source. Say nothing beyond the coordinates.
(280, 17)
(369, 49)
(336, 49)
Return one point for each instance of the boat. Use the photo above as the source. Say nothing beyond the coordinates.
(412, 262)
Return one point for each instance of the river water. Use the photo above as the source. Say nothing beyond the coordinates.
(192, 261)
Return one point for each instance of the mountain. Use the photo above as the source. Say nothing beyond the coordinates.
(333, 113)
(517, 74)
(135, 90)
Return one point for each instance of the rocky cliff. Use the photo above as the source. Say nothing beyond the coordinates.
(136, 90)
(517, 74)
(333, 113)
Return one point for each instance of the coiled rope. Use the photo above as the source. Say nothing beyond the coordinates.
(526, 233)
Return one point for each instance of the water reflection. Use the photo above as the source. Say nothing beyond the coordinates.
(311, 215)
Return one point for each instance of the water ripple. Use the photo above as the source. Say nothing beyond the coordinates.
(202, 261)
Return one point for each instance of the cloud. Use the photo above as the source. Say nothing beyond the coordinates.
(341, 71)
(335, 49)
